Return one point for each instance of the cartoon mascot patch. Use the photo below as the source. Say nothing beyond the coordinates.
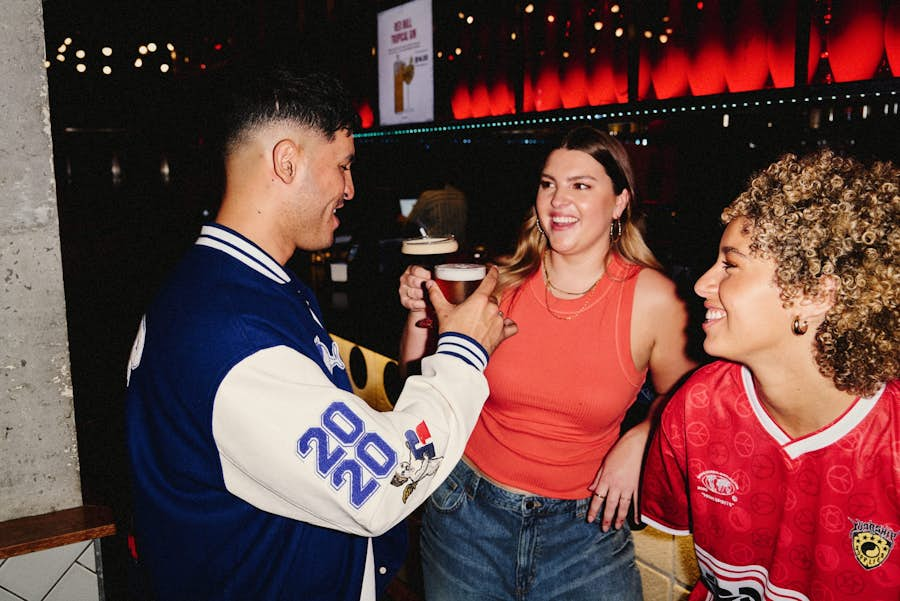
(420, 463)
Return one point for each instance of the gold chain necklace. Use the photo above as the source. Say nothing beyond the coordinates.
(558, 289)
(587, 305)
(548, 284)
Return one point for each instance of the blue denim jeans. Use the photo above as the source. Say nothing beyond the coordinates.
(482, 542)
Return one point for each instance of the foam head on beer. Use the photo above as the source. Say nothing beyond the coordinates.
(458, 280)
(427, 245)
(428, 251)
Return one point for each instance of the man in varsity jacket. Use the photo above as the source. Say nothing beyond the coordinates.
(257, 473)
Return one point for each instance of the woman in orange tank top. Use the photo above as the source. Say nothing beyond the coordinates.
(518, 517)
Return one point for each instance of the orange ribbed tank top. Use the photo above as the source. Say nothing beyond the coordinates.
(559, 388)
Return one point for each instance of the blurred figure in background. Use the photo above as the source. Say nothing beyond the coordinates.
(783, 458)
(516, 516)
(440, 210)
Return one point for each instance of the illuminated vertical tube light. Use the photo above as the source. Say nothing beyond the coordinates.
(706, 74)
(892, 37)
(669, 61)
(573, 80)
(747, 68)
(855, 39)
(546, 84)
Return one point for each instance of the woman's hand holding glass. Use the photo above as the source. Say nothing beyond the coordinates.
(478, 317)
(412, 291)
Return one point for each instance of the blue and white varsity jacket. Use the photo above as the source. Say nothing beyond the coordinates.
(257, 473)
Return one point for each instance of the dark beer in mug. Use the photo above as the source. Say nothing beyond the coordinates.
(428, 251)
(458, 280)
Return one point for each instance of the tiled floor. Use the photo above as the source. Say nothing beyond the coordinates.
(67, 573)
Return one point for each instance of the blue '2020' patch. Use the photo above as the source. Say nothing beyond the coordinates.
(346, 454)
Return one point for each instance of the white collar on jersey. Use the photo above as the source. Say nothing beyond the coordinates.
(244, 251)
(817, 440)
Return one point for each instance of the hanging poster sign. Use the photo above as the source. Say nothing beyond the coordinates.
(405, 64)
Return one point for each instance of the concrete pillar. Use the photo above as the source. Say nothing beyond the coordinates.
(38, 449)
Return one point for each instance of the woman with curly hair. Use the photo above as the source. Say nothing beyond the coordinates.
(516, 519)
(783, 458)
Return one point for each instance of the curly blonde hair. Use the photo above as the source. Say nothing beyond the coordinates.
(609, 152)
(830, 215)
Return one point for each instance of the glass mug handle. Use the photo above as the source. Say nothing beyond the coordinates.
(428, 321)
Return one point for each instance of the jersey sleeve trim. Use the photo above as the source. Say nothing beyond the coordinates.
(663, 528)
(463, 347)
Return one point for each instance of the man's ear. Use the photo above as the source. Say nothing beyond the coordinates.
(285, 160)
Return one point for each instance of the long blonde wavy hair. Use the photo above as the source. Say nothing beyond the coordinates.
(531, 245)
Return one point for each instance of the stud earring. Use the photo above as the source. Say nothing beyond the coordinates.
(799, 328)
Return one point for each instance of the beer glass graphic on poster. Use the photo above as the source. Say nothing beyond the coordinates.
(405, 64)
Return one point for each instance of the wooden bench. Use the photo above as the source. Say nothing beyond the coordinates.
(55, 529)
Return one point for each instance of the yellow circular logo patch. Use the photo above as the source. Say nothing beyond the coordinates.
(872, 543)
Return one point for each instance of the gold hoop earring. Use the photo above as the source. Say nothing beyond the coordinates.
(537, 223)
(615, 230)
(799, 328)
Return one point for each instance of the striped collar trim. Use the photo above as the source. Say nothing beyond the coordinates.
(819, 439)
(238, 247)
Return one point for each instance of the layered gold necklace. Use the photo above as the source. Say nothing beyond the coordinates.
(548, 284)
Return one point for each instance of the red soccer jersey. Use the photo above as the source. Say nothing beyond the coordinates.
(775, 518)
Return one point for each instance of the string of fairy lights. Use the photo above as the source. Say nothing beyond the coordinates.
(84, 57)
(164, 57)
(659, 28)
(597, 21)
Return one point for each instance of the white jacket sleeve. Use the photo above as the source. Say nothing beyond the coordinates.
(293, 444)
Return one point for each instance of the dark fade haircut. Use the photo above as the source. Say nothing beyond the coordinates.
(258, 97)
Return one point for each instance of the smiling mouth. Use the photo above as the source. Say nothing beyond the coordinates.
(714, 314)
(563, 220)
